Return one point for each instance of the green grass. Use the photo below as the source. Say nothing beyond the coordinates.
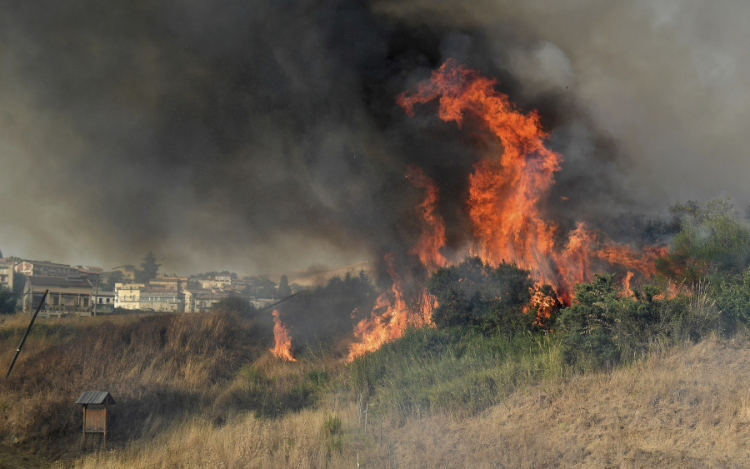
(453, 371)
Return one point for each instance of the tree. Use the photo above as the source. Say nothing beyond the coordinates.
(235, 304)
(603, 326)
(476, 294)
(713, 243)
(149, 266)
(7, 301)
(261, 287)
(284, 290)
(19, 283)
(113, 278)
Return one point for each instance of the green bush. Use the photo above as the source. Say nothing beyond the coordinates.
(7, 301)
(456, 370)
(602, 328)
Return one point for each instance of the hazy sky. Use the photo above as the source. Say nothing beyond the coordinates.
(263, 135)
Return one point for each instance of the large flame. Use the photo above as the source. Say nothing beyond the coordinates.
(282, 340)
(505, 194)
(506, 189)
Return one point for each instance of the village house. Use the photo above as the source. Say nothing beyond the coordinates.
(148, 297)
(177, 284)
(128, 271)
(200, 300)
(65, 294)
(46, 269)
(157, 299)
(128, 295)
(104, 301)
(6, 273)
(92, 273)
(217, 281)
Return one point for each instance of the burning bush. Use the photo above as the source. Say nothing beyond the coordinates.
(477, 294)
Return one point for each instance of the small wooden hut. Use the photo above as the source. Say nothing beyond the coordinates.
(95, 411)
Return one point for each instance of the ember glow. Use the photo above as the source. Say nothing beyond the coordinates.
(282, 340)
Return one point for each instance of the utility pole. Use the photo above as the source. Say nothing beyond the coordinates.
(18, 350)
(96, 295)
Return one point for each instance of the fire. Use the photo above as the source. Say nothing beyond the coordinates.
(432, 238)
(626, 290)
(541, 303)
(506, 190)
(391, 315)
(388, 320)
(282, 339)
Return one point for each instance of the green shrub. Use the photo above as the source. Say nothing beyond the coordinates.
(459, 371)
(333, 434)
(602, 328)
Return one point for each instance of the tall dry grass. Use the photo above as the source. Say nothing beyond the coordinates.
(158, 367)
(686, 407)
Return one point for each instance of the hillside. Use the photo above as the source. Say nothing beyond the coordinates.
(687, 407)
(203, 391)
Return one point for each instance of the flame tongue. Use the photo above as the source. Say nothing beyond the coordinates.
(283, 341)
(432, 238)
(505, 190)
(387, 322)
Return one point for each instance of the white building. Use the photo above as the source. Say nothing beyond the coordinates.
(128, 295)
(6, 274)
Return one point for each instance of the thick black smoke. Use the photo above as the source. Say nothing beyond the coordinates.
(258, 135)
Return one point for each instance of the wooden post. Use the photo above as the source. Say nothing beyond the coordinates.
(96, 297)
(360, 409)
(106, 422)
(367, 412)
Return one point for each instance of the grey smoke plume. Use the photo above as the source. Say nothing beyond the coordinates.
(264, 135)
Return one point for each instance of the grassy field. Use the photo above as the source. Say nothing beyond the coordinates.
(203, 391)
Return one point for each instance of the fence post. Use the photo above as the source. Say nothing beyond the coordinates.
(367, 413)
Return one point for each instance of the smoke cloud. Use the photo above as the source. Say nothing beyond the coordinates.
(264, 135)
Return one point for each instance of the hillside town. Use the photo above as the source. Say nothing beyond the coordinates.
(85, 290)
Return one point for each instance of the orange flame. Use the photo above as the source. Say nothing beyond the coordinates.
(433, 233)
(505, 190)
(626, 291)
(388, 320)
(283, 341)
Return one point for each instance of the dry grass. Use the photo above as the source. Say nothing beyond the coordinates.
(688, 407)
(158, 367)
